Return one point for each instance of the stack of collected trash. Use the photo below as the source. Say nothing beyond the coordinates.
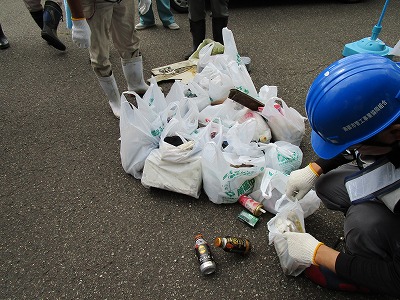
(197, 136)
(218, 134)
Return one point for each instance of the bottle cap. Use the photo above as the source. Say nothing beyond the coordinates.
(218, 242)
(198, 236)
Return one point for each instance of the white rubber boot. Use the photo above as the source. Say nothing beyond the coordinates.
(133, 72)
(110, 88)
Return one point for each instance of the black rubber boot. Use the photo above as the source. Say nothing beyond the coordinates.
(4, 44)
(38, 17)
(217, 25)
(198, 30)
(52, 15)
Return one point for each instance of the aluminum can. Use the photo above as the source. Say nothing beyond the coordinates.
(255, 207)
(233, 244)
(204, 255)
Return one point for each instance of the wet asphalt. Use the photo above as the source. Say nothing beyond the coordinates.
(74, 225)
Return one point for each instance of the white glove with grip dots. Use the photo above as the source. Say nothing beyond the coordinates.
(144, 6)
(300, 183)
(81, 33)
(302, 247)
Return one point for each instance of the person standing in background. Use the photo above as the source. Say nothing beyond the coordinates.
(165, 14)
(197, 21)
(47, 19)
(94, 23)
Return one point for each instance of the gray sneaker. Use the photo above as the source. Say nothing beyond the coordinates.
(141, 26)
(172, 26)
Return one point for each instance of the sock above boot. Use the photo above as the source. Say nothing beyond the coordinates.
(38, 17)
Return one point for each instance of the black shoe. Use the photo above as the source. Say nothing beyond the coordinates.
(52, 15)
(4, 44)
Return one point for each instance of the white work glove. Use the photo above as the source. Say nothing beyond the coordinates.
(300, 183)
(144, 6)
(302, 247)
(81, 33)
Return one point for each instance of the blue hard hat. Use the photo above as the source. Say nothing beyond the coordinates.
(352, 100)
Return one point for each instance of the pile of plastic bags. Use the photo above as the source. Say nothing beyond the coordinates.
(185, 141)
(196, 138)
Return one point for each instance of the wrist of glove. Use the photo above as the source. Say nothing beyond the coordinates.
(302, 247)
(81, 33)
(300, 182)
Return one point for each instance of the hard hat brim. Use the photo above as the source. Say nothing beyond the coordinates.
(324, 149)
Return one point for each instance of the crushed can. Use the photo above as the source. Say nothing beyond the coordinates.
(204, 255)
(233, 244)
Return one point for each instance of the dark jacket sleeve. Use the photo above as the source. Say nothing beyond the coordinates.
(330, 164)
(378, 275)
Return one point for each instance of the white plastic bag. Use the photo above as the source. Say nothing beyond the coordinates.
(236, 69)
(283, 156)
(175, 168)
(270, 188)
(182, 177)
(139, 137)
(285, 122)
(262, 133)
(239, 138)
(194, 91)
(154, 97)
(289, 218)
(227, 176)
(176, 92)
(229, 112)
(205, 56)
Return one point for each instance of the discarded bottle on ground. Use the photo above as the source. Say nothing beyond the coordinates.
(233, 244)
(204, 256)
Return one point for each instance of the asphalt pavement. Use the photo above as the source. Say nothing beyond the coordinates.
(74, 225)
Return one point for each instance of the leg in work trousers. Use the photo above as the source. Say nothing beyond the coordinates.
(370, 228)
(164, 12)
(35, 5)
(118, 19)
(197, 9)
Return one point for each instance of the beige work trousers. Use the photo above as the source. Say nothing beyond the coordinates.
(118, 19)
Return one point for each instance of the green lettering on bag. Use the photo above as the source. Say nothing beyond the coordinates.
(282, 159)
(157, 132)
(247, 186)
(243, 89)
(238, 59)
(230, 194)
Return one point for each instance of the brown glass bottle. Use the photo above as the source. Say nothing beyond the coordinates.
(233, 244)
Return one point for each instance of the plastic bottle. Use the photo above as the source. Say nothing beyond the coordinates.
(233, 244)
(204, 256)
